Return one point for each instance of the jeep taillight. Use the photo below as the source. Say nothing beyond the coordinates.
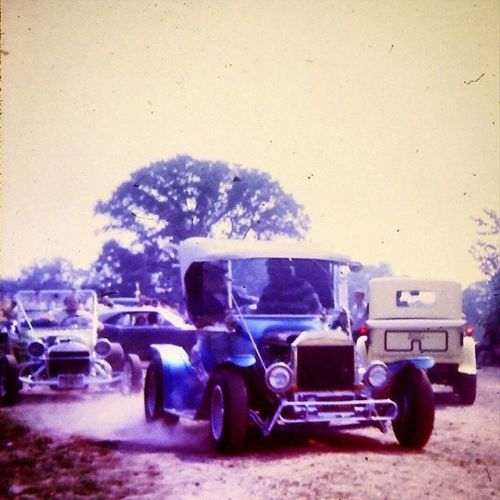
(363, 330)
(469, 330)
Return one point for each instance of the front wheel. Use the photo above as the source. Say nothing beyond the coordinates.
(413, 394)
(228, 411)
(466, 387)
(131, 375)
(9, 381)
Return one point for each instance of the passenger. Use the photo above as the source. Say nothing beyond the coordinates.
(140, 320)
(209, 305)
(152, 318)
(286, 294)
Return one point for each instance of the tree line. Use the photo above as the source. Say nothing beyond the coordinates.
(168, 201)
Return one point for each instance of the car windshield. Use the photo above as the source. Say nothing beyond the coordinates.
(274, 286)
(63, 308)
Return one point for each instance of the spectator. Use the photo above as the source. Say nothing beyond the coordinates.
(286, 294)
(359, 313)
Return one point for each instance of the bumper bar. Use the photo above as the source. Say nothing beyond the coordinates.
(336, 413)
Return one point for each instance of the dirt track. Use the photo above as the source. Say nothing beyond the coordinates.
(98, 445)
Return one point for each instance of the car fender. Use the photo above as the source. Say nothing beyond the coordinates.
(242, 360)
(422, 362)
(467, 363)
(362, 351)
(182, 388)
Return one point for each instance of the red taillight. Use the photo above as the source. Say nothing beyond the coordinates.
(469, 330)
(363, 330)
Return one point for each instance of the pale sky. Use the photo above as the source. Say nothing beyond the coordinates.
(380, 117)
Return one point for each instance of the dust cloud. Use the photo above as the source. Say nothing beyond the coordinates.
(110, 418)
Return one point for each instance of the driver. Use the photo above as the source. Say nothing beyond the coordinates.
(285, 293)
(74, 314)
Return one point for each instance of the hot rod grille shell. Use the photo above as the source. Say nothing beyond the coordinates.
(68, 362)
(322, 368)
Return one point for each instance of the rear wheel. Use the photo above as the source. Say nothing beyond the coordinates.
(116, 357)
(9, 380)
(131, 375)
(413, 394)
(228, 411)
(466, 387)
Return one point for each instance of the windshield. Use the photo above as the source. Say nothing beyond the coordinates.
(274, 286)
(61, 308)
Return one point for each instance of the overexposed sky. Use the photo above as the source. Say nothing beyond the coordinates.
(380, 117)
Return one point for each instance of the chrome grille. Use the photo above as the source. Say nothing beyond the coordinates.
(60, 363)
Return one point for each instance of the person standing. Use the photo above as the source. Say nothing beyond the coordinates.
(359, 313)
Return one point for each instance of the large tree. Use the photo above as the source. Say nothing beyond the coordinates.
(169, 201)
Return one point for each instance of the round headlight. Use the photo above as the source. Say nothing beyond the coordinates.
(377, 375)
(36, 349)
(102, 348)
(279, 377)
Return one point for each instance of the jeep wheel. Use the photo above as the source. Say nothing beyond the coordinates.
(9, 381)
(131, 375)
(228, 411)
(413, 394)
(466, 387)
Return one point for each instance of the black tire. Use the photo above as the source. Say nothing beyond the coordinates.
(131, 375)
(9, 381)
(412, 392)
(153, 391)
(228, 411)
(466, 388)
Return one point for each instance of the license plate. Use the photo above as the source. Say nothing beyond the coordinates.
(416, 341)
(70, 381)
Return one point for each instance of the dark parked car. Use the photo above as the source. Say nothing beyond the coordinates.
(136, 328)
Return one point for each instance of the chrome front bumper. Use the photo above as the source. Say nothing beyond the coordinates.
(310, 408)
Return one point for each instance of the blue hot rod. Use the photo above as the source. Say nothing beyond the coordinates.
(275, 351)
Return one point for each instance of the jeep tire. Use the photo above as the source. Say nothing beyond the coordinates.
(466, 388)
(228, 411)
(9, 381)
(412, 392)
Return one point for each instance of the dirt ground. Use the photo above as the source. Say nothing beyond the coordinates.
(98, 445)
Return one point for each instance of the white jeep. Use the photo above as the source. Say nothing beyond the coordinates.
(409, 318)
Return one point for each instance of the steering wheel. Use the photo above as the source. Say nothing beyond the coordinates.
(75, 322)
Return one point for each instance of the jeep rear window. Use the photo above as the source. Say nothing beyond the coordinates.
(415, 298)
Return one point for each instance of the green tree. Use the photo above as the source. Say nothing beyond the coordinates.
(56, 273)
(475, 305)
(486, 249)
(359, 280)
(169, 201)
(121, 271)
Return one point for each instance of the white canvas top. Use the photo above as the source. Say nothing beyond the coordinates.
(210, 249)
(407, 298)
